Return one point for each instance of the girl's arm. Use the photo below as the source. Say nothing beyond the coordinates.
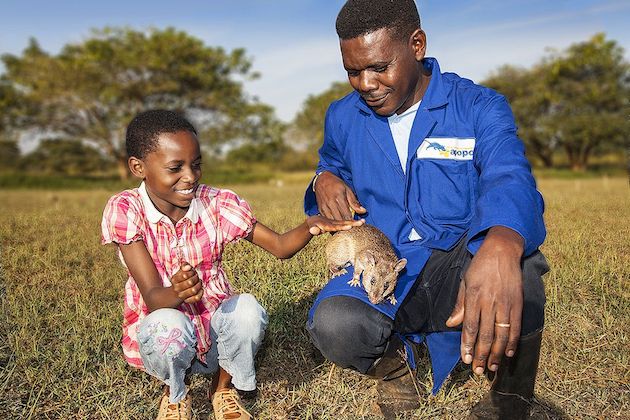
(287, 244)
(185, 287)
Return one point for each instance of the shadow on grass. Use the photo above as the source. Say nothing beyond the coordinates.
(287, 355)
(541, 408)
(287, 361)
(545, 409)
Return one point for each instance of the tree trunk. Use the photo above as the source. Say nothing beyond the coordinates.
(578, 167)
(545, 154)
(547, 160)
(123, 168)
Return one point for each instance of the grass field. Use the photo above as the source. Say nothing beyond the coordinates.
(60, 303)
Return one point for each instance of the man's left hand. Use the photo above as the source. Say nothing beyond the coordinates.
(490, 301)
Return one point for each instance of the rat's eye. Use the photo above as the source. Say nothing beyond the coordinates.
(372, 280)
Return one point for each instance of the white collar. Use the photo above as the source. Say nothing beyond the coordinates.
(412, 109)
(154, 215)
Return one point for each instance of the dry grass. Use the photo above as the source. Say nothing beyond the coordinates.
(60, 309)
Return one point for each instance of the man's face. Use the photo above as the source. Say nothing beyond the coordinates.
(385, 70)
(172, 172)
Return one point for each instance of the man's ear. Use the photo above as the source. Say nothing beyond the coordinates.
(419, 44)
(136, 166)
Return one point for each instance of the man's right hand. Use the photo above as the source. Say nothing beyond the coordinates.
(334, 199)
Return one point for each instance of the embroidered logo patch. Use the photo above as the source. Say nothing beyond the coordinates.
(455, 148)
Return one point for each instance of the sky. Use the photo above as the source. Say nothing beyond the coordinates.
(293, 45)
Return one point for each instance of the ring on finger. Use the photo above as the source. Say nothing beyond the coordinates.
(502, 325)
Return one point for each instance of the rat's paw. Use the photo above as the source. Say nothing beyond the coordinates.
(337, 273)
(354, 282)
(392, 300)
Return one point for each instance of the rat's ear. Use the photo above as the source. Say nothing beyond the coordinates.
(136, 166)
(400, 265)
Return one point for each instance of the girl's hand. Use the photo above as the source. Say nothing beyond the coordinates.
(186, 284)
(320, 224)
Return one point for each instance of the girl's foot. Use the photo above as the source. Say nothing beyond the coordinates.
(178, 411)
(227, 405)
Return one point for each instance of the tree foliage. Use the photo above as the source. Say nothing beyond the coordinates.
(91, 90)
(309, 122)
(530, 100)
(64, 157)
(576, 101)
(9, 154)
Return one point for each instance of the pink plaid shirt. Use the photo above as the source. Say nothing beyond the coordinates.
(215, 218)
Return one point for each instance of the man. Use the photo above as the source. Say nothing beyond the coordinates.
(432, 160)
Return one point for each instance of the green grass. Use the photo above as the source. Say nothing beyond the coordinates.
(60, 314)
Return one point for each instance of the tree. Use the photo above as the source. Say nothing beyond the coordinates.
(576, 101)
(309, 122)
(9, 154)
(530, 100)
(270, 152)
(590, 86)
(64, 157)
(91, 90)
(11, 106)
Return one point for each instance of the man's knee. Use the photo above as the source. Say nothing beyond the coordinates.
(347, 331)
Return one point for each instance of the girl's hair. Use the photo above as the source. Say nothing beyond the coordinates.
(360, 17)
(143, 131)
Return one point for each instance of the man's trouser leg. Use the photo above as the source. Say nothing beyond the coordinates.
(354, 335)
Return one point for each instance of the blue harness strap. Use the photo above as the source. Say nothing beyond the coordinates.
(444, 347)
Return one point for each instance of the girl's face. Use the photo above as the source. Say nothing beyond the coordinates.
(171, 173)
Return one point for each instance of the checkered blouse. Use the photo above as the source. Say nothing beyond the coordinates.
(215, 218)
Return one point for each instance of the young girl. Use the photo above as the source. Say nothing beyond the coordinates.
(180, 314)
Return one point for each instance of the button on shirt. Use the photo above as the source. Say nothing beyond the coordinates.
(215, 218)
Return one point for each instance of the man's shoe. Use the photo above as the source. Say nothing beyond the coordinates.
(512, 391)
(179, 411)
(397, 389)
(227, 405)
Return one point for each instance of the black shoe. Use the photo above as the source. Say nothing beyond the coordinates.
(397, 388)
(512, 391)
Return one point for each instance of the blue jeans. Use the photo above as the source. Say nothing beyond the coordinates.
(168, 344)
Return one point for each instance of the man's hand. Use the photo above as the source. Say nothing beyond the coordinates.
(490, 301)
(186, 284)
(334, 199)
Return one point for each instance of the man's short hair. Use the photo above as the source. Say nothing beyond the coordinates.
(360, 17)
(143, 131)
